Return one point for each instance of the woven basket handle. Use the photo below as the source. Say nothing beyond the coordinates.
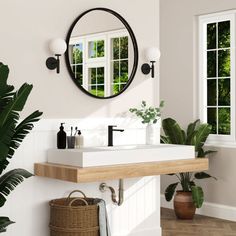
(76, 191)
(78, 199)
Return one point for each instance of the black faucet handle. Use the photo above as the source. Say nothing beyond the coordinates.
(111, 126)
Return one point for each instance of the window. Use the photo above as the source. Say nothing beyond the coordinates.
(119, 63)
(217, 74)
(77, 62)
(100, 61)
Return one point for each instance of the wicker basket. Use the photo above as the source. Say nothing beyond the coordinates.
(74, 216)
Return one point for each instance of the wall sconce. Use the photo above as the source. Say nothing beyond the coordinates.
(57, 47)
(152, 54)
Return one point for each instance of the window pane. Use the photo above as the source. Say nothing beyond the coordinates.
(77, 52)
(124, 47)
(92, 49)
(79, 74)
(211, 92)
(93, 90)
(100, 48)
(224, 63)
(115, 43)
(124, 71)
(211, 119)
(116, 88)
(116, 72)
(93, 75)
(224, 120)
(100, 91)
(224, 92)
(211, 64)
(224, 34)
(211, 36)
(100, 75)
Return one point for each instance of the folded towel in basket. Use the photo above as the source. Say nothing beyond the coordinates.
(103, 218)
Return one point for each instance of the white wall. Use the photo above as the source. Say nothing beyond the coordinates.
(178, 31)
(26, 27)
(96, 22)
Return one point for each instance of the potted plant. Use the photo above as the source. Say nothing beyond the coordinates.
(149, 116)
(190, 196)
(12, 133)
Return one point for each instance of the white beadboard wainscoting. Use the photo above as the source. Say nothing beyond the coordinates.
(28, 205)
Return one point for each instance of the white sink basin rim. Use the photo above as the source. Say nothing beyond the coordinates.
(117, 155)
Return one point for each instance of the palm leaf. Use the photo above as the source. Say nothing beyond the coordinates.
(170, 190)
(200, 135)
(7, 131)
(5, 90)
(190, 131)
(173, 131)
(165, 139)
(203, 175)
(16, 104)
(9, 181)
(197, 195)
(4, 222)
(20, 133)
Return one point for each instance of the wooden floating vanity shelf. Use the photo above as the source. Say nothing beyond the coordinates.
(101, 173)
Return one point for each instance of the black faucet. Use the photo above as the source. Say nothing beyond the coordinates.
(110, 134)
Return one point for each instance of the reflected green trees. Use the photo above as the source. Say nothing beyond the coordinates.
(218, 77)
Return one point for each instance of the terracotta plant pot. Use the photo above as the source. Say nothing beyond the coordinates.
(184, 206)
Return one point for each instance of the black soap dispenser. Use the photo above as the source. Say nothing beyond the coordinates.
(61, 138)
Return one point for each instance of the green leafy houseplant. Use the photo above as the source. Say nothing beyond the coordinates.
(12, 133)
(148, 115)
(196, 135)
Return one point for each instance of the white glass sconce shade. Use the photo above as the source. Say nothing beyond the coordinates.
(152, 54)
(57, 46)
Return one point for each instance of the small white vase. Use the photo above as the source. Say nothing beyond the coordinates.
(152, 134)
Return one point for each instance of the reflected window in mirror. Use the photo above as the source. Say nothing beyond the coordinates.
(100, 61)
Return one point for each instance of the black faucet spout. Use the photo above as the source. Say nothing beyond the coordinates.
(110, 134)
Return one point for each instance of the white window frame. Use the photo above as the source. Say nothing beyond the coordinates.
(99, 61)
(203, 21)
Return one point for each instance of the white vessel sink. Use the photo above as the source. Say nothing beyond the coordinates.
(117, 155)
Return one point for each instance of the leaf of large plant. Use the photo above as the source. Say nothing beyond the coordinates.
(197, 195)
(5, 89)
(203, 175)
(16, 104)
(4, 222)
(170, 190)
(20, 133)
(173, 131)
(164, 139)
(200, 135)
(190, 131)
(209, 152)
(6, 133)
(9, 181)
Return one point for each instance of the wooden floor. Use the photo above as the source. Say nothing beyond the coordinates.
(200, 226)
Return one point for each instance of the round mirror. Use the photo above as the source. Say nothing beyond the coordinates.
(102, 53)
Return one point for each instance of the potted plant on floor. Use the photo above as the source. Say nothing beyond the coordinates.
(149, 116)
(12, 133)
(191, 196)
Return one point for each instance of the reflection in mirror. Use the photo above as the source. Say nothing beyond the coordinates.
(102, 54)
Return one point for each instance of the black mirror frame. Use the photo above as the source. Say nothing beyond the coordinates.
(134, 41)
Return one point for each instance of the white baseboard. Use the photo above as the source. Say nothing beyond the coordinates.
(157, 231)
(209, 209)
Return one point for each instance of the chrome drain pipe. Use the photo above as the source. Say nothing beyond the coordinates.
(104, 187)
